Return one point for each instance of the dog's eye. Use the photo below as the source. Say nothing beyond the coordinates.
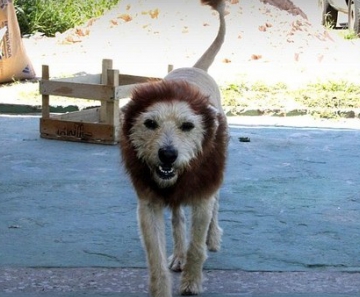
(187, 126)
(151, 124)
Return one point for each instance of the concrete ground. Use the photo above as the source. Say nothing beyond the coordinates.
(290, 209)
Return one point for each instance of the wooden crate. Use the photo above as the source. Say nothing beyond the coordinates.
(96, 125)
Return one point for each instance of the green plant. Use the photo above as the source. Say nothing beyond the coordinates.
(336, 86)
(349, 35)
(51, 16)
(329, 99)
(330, 23)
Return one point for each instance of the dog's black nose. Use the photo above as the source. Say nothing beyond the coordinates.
(168, 154)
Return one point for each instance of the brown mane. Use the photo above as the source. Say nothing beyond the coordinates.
(199, 180)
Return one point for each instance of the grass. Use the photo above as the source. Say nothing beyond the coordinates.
(330, 99)
(349, 34)
(52, 16)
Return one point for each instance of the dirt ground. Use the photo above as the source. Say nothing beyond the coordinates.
(263, 42)
(267, 40)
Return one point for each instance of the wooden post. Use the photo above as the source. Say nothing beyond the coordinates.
(106, 64)
(170, 67)
(45, 98)
(112, 106)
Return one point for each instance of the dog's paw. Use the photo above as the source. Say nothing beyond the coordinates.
(213, 240)
(190, 288)
(176, 263)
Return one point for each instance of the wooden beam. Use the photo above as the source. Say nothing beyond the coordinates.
(106, 64)
(77, 90)
(45, 110)
(112, 107)
(77, 131)
(127, 79)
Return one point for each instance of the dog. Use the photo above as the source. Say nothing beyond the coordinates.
(173, 143)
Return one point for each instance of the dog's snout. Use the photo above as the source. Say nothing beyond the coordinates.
(168, 154)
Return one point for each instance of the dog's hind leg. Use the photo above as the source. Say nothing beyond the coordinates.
(152, 227)
(177, 259)
(213, 240)
(191, 281)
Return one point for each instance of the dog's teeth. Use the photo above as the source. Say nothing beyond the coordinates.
(166, 171)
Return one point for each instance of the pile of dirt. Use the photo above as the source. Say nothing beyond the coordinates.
(266, 39)
(286, 5)
(266, 24)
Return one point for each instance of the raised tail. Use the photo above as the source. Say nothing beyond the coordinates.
(208, 57)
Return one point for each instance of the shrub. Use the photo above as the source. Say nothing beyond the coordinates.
(51, 16)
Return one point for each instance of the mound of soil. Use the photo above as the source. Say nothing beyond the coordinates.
(267, 40)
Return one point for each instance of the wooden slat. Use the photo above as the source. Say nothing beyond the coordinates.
(77, 90)
(124, 79)
(91, 115)
(85, 91)
(86, 78)
(75, 131)
(127, 79)
(45, 110)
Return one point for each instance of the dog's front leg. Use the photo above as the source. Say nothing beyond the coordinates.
(177, 259)
(152, 226)
(191, 282)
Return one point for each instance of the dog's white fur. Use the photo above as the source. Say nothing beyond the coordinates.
(169, 117)
(175, 124)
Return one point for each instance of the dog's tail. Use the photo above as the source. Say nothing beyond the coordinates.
(208, 57)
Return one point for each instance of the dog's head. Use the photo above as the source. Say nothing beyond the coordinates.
(166, 125)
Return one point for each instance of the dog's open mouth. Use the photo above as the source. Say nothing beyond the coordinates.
(165, 171)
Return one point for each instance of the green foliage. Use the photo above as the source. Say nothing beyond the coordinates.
(51, 16)
(336, 86)
(350, 35)
(329, 22)
(330, 99)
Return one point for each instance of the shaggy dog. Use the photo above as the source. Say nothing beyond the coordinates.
(174, 144)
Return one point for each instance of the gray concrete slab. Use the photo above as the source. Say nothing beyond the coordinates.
(290, 203)
(217, 282)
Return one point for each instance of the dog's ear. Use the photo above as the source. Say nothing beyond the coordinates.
(213, 109)
(215, 113)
